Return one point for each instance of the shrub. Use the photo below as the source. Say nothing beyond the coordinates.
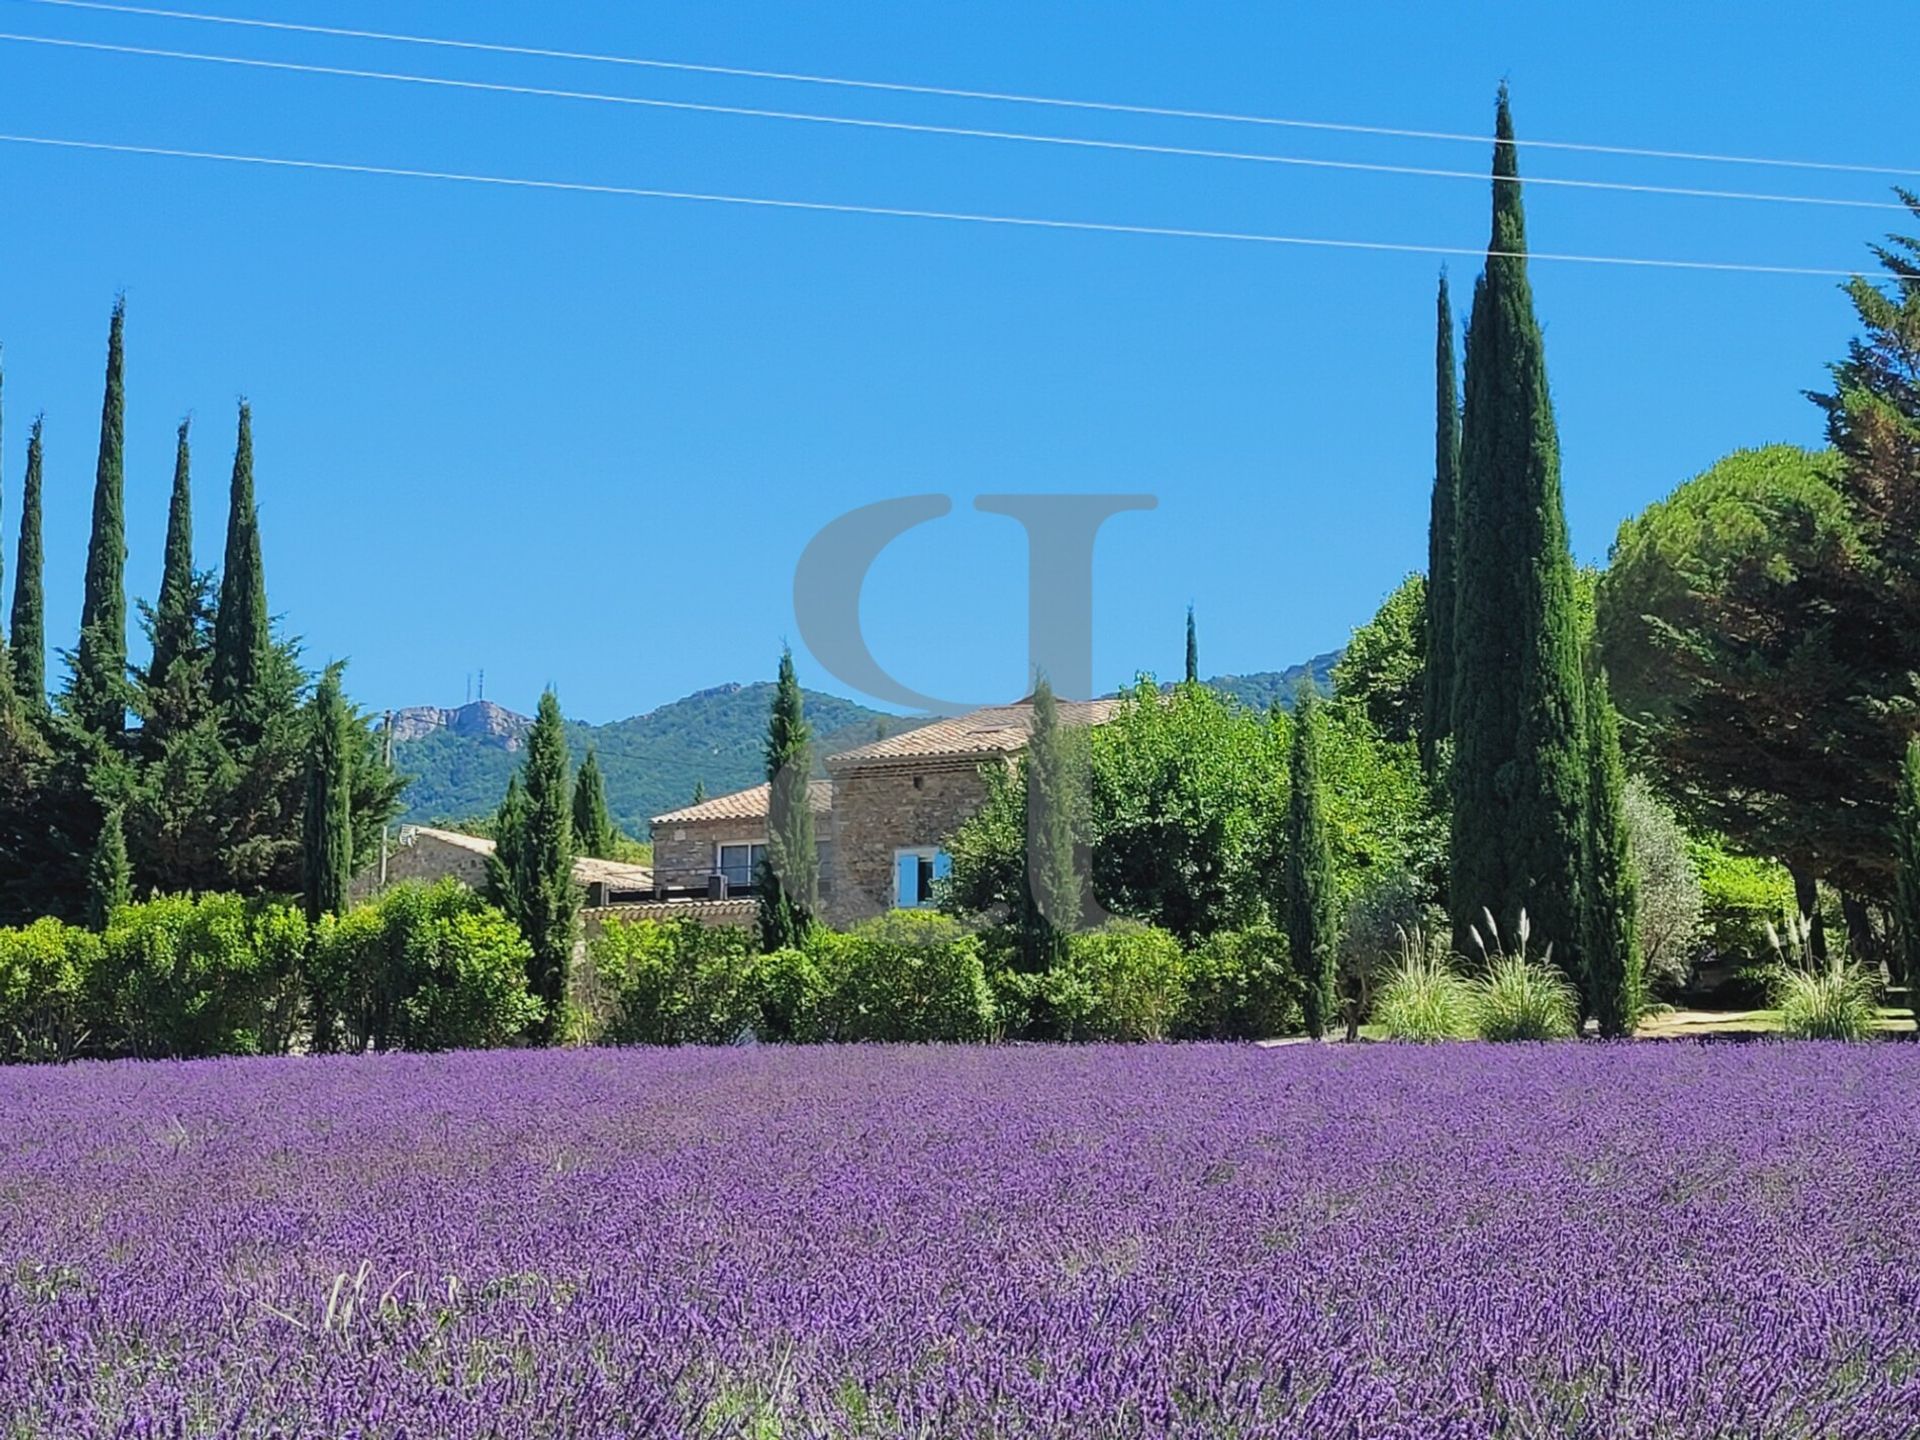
(1518, 997)
(1124, 981)
(673, 982)
(424, 968)
(788, 988)
(1833, 999)
(1241, 986)
(908, 975)
(44, 972)
(1387, 906)
(187, 976)
(1420, 997)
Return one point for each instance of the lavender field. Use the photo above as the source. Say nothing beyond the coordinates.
(1369, 1241)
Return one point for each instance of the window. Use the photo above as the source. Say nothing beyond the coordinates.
(914, 873)
(739, 863)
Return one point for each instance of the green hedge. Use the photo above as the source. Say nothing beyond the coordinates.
(184, 977)
(426, 967)
(919, 976)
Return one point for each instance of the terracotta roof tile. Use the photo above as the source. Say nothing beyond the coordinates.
(749, 804)
(998, 730)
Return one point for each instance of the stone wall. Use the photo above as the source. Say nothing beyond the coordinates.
(878, 809)
(683, 852)
(423, 857)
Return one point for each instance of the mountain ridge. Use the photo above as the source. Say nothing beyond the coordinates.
(460, 757)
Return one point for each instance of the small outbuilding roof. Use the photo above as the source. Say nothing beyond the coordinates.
(614, 874)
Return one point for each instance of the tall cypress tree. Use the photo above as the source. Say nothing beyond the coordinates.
(1613, 963)
(8, 711)
(109, 876)
(592, 825)
(1437, 718)
(1311, 916)
(29, 648)
(1055, 881)
(1519, 788)
(531, 869)
(1906, 850)
(174, 613)
(1193, 651)
(99, 688)
(327, 829)
(241, 639)
(789, 882)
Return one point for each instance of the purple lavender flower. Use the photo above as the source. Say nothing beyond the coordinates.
(1572, 1241)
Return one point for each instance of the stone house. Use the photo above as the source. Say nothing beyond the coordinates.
(882, 817)
(724, 839)
(424, 853)
(897, 800)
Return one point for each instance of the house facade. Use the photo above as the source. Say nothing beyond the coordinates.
(882, 817)
(724, 839)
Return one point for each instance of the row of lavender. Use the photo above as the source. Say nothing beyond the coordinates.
(1601, 1241)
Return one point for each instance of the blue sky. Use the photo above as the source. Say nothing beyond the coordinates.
(581, 440)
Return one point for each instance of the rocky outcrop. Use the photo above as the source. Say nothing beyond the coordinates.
(480, 720)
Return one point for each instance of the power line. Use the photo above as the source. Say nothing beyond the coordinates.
(947, 92)
(903, 213)
(857, 122)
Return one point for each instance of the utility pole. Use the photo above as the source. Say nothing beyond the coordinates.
(386, 754)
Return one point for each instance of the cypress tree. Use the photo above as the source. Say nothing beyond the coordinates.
(174, 613)
(699, 792)
(1193, 651)
(1519, 789)
(1054, 878)
(1311, 923)
(789, 881)
(241, 639)
(8, 711)
(1613, 963)
(1906, 849)
(592, 825)
(531, 868)
(1437, 711)
(29, 648)
(99, 687)
(327, 828)
(109, 876)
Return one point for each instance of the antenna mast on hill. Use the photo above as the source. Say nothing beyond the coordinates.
(469, 699)
(483, 684)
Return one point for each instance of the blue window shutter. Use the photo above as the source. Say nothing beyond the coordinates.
(906, 880)
(942, 864)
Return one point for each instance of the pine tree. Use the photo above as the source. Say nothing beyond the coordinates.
(531, 869)
(1310, 900)
(1613, 963)
(1519, 789)
(1437, 717)
(109, 876)
(174, 613)
(98, 695)
(327, 833)
(789, 881)
(592, 825)
(1055, 881)
(242, 641)
(1193, 651)
(1906, 835)
(28, 650)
